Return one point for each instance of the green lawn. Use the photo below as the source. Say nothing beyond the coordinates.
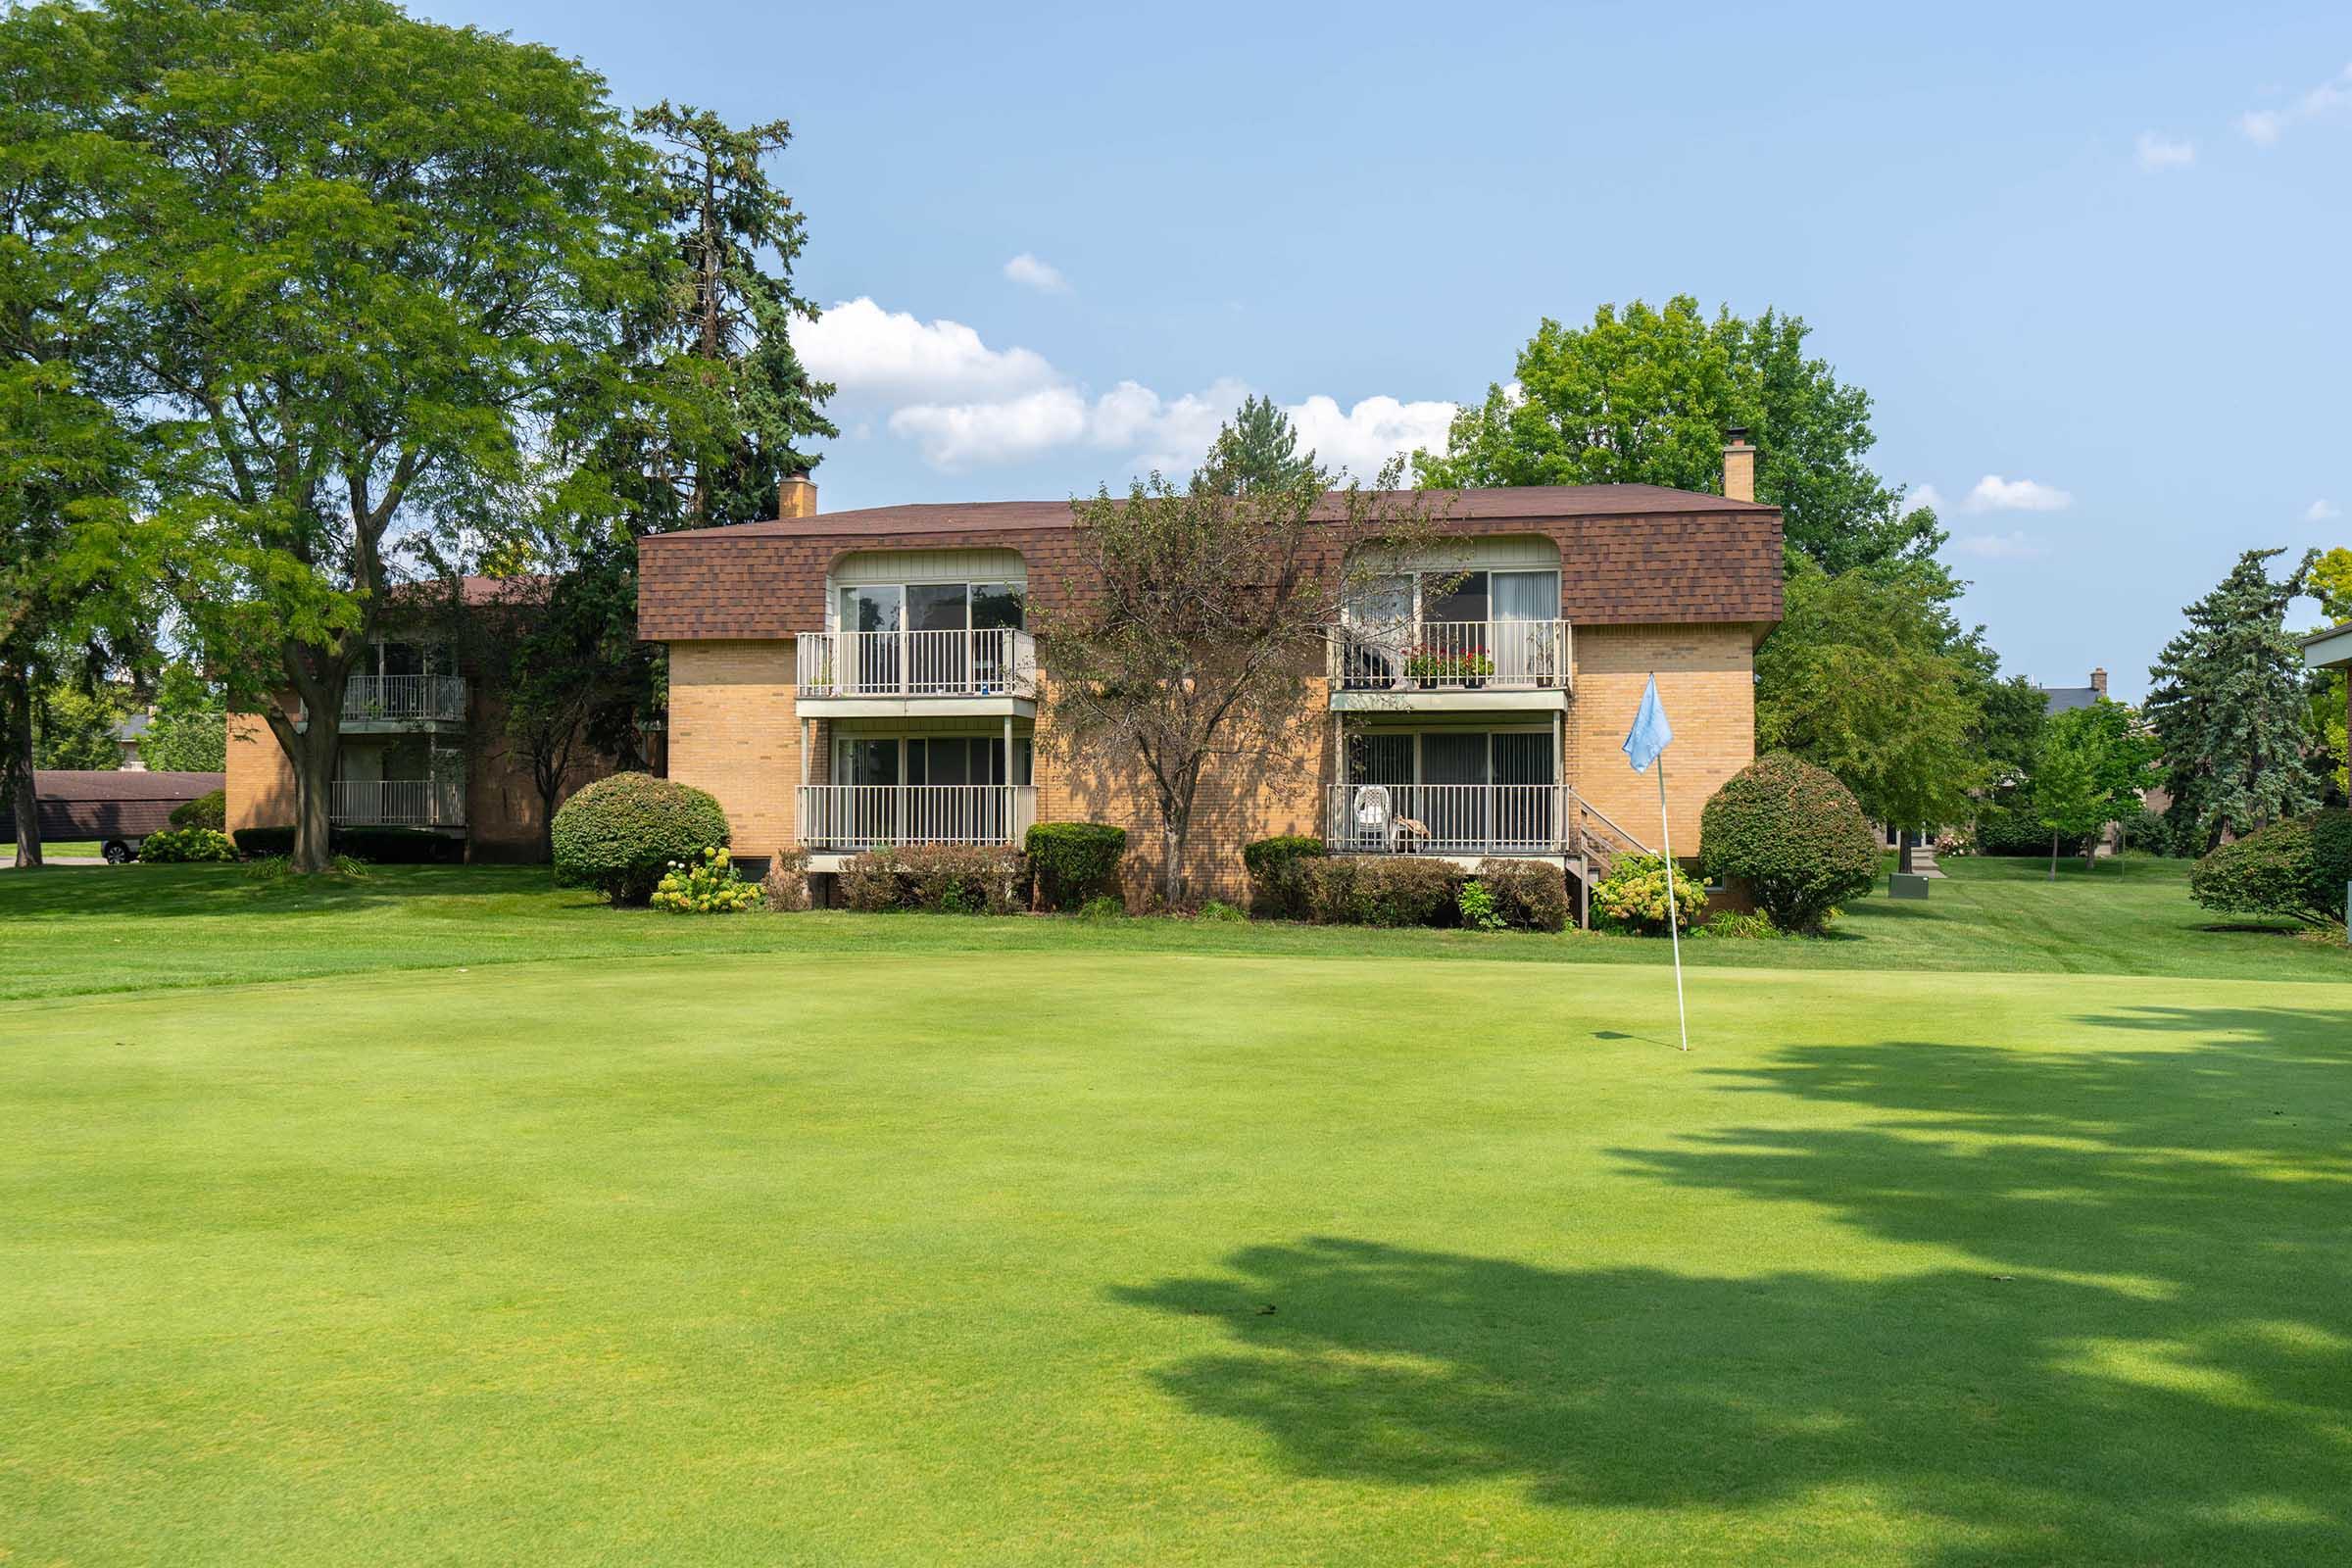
(497, 1227)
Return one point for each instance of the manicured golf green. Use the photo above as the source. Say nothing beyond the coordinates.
(1134, 1245)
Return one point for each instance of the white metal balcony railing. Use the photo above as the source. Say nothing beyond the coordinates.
(997, 661)
(1452, 655)
(868, 816)
(1448, 818)
(398, 803)
(403, 697)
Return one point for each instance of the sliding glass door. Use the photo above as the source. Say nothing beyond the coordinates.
(1451, 791)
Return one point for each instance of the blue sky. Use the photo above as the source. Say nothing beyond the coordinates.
(2095, 257)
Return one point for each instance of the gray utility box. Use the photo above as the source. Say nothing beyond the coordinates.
(1906, 885)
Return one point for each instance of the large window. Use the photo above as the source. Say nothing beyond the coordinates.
(930, 759)
(1453, 628)
(1451, 791)
(935, 637)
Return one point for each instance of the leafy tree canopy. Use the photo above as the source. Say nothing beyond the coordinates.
(1644, 396)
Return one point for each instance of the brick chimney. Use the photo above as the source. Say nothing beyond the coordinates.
(1739, 465)
(796, 497)
(2098, 681)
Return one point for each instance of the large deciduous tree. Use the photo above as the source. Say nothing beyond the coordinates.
(1861, 679)
(355, 261)
(1199, 613)
(1644, 396)
(2229, 710)
(2088, 771)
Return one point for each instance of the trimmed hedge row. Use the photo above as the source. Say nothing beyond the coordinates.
(1278, 874)
(186, 844)
(943, 878)
(385, 846)
(1074, 862)
(1411, 890)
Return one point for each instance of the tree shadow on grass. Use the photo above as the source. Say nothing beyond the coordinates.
(2124, 1337)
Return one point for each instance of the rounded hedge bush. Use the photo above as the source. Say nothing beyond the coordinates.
(185, 846)
(209, 809)
(2296, 869)
(1794, 835)
(1073, 863)
(620, 834)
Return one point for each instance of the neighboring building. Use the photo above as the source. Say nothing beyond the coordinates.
(423, 746)
(849, 680)
(117, 807)
(2332, 650)
(129, 735)
(2066, 699)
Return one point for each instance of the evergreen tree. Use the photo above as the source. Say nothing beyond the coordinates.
(2229, 710)
(743, 407)
(1257, 450)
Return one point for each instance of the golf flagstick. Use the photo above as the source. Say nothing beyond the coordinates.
(1674, 922)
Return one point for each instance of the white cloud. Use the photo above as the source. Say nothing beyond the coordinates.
(1031, 272)
(2012, 546)
(964, 404)
(1925, 494)
(2158, 152)
(889, 354)
(1997, 494)
(1366, 436)
(2322, 511)
(2264, 127)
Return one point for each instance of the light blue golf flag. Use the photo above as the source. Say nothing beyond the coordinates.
(1650, 734)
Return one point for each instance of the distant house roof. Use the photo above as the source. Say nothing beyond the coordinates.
(109, 803)
(2065, 698)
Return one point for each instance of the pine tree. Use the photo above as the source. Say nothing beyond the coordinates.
(1257, 450)
(2227, 706)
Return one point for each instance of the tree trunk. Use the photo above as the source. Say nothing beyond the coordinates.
(1904, 840)
(314, 794)
(2053, 855)
(16, 764)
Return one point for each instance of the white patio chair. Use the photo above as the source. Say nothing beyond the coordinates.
(1375, 816)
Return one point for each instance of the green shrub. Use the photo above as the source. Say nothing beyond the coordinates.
(209, 809)
(786, 884)
(1477, 906)
(1219, 910)
(1278, 875)
(1733, 926)
(1794, 835)
(2149, 833)
(620, 834)
(1104, 908)
(188, 845)
(2010, 828)
(944, 878)
(1385, 890)
(1529, 894)
(708, 884)
(1632, 897)
(1075, 861)
(2296, 869)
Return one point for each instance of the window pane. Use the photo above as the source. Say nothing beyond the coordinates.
(936, 606)
(1380, 759)
(1527, 596)
(997, 604)
(875, 608)
(1467, 600)
(863, 762)
(1523, 760)
(1449, 758)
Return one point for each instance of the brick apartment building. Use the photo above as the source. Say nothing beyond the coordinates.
(846, 680)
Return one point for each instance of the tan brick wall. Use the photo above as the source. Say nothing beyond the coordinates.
(1706, 680)
(261, 781)
(1239, 799)
(732, 731)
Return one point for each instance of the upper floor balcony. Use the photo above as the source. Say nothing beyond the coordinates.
(1436, 664)
(968, 670)
(385, 703)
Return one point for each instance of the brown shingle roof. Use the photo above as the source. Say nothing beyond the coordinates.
(106, 803)
(1630, 553)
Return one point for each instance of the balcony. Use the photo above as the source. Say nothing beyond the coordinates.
(1472, 820)
(845, 818)
(398, 803)
(992, 670)
(1439, 665)
(383, 704)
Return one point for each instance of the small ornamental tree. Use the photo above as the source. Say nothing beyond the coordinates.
(1794, 835)
(1207, 607)
(621, 834)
